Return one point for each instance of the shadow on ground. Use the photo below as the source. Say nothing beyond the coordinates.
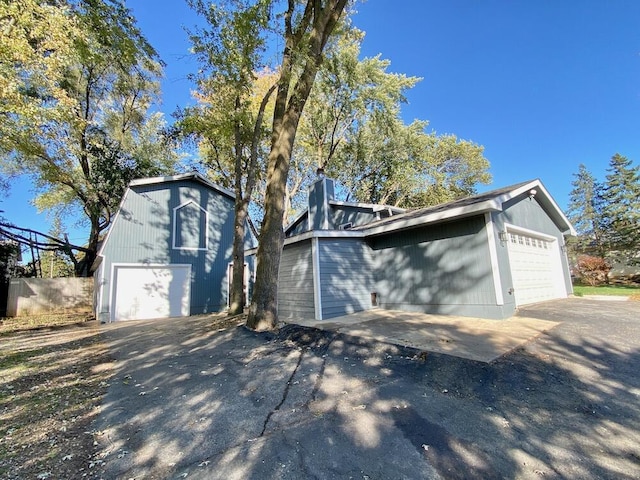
(190, 400)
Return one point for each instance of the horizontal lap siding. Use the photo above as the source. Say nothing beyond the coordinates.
(346, 277)
(445, 268)
(295, 283)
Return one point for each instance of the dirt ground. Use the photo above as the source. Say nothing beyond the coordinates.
(52, 381)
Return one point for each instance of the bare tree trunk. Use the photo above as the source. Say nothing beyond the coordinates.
(263, 312)
(83, 267)
(242, 201)
(237, 294)
(312, 32)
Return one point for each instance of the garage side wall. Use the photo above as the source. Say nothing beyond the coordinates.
(295, 283)
(528, 213)
(441, 269)
(143, 233)
(346, 276)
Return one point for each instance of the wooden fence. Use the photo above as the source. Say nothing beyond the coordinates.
(34, 296)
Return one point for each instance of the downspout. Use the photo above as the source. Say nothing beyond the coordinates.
(317, 289)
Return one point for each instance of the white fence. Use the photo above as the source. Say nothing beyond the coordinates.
(30, 296)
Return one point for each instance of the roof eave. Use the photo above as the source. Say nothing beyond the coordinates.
(433, 217)
(297, 218)
(545, 198)
(375, 207)
(183, 176)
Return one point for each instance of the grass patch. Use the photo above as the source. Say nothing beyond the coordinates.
(624, 290)
(35, 322)
(52, 381)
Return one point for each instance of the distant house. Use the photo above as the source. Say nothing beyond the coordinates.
(168, 252)
(480, 256)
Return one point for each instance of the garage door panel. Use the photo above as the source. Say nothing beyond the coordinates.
(534, 268)
(142, 292)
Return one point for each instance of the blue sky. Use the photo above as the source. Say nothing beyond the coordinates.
(544, 85)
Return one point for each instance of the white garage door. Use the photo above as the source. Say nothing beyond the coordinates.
(143, 291)
(535, 268)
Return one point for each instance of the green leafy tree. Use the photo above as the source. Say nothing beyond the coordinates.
(585, 211)
(9, 253)
(54, 264)
(402, 165)
(36, 41)
(308, 25)
(352, 129)
(347, 94)
(232, 100)
(622, 207)
(79, 122)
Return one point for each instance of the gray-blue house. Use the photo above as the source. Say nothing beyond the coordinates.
(168, 251)
(481, 256)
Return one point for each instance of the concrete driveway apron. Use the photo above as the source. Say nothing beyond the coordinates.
(472, 338)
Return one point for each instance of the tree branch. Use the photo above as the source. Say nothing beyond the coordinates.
(15, 233)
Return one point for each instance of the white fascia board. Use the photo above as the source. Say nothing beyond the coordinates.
(518, 191)
(184, 176)
(375, 207)
(427, 218)
(493, 255)
(315, 234)
(570, 230)
(540, 189)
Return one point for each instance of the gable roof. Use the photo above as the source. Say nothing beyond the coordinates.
(493, 201)
(194, 176)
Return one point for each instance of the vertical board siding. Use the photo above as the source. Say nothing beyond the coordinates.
(444, 268)
(143, 234)
(295, 284)
(355, 215)
(301, 227)
(346, 276)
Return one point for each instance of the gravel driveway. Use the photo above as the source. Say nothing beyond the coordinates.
(188, 400)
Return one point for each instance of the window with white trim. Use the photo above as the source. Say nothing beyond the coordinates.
(190, 222)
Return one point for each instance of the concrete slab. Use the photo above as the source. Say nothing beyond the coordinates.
(477, 339)
(607, 298)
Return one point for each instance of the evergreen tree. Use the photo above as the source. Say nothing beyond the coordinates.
(586, 213)
(622, 205)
